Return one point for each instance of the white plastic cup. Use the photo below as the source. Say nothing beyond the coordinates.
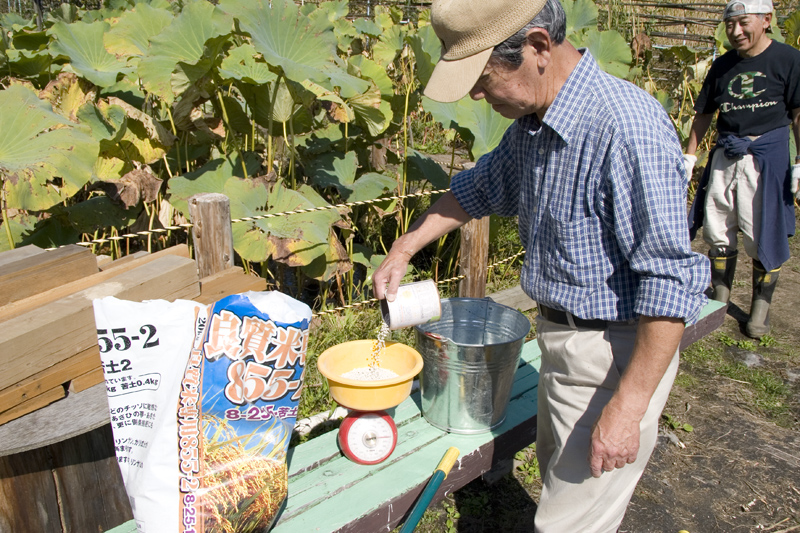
(416, 303)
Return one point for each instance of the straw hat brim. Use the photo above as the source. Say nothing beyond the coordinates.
(452, 79)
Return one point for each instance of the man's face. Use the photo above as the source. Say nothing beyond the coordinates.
(747, 33)
(512, 92)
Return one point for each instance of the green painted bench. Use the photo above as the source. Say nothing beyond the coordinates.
(327, 492)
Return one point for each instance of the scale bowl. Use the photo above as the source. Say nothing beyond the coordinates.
(374, 395)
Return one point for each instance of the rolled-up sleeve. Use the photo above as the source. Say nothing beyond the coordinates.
(649, 216)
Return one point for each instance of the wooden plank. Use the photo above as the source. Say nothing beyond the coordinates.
(26, 483)
(515, 298)
(35, 403)
(41, 272)
(230, 281)
(106, 262)
(711, 317)
(114, 269)
(88, 481)
(74, 415)
(11, 256)
(45, 380)
(40, 338)
(87, 380)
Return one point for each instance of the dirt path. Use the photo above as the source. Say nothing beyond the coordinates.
(739, 470)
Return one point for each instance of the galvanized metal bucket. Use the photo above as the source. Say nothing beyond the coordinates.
(470, 357)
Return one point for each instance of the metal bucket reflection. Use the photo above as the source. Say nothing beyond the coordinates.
(470, 357)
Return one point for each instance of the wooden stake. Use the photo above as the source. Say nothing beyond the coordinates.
(474, 258)
(211, 232)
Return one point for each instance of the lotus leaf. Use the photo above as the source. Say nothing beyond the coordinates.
(299, 238)
(193, 38)
(367, 27)
(36, 147)
(107, 122)
(131, 35)
(423, 168)
(82, 43)
(242, 63)
(427, 50)
(388, 46)
(366, 68)
(335, 261)
(581, 15)
(285, 39)
(67, 93)
(792, 27)
(65, 12)
(475, 121)
(371, 111)
(610, 51)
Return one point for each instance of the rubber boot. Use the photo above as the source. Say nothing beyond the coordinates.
(723, 267)
(763, 287)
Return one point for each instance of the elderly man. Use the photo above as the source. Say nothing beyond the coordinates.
(592, 168)
(748, 184)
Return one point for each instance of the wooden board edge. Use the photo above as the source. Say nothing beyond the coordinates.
(87, 380)
(703, 327)
(34, 404)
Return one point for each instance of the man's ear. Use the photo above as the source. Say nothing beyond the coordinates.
(539, 40)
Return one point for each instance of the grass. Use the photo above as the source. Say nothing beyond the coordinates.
(764, 391)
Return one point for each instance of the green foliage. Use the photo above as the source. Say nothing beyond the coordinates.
(528, 465)
(672, 423)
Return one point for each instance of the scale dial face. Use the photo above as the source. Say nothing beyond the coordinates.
(367, 438)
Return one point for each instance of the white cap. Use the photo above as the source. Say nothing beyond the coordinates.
(746, 7)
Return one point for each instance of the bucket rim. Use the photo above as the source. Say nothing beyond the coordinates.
(419, 328)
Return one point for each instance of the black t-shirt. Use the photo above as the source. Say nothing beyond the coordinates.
(753, 95)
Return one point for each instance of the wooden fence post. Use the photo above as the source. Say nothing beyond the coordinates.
(211, 232)
(474, 258)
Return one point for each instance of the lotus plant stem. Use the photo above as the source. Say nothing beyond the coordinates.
(269, 123)
(229, 130)
(5, 215)
(166, 165)
(291, 153)
(409, 88)
(452, 157)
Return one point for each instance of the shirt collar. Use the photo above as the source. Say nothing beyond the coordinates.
(561, 116)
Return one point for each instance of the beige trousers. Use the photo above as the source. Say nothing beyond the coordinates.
(579, 373)
(733, 203)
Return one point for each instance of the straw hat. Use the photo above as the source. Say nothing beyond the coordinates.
(469, 31)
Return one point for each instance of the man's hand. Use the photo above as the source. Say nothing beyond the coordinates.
(796, 180)
(615, 440)
(689, 161)
(386, 279)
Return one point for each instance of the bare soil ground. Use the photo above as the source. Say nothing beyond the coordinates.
(737, 470)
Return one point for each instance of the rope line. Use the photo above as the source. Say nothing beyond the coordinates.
(186, 226)
(440, 282)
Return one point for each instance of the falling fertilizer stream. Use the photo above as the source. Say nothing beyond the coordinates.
(374, 371)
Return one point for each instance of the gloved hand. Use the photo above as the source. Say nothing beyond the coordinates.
(688, 161)
(796, 180)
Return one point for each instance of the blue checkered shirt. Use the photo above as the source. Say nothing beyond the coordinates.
(599, 187)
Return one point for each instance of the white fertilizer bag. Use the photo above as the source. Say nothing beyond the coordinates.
(203, 400)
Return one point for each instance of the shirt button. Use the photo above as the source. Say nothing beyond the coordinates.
(541, 151)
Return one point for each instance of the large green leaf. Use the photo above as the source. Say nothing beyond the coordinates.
(610, 51)
(475, 121)
(388, 46)
(427, 50)
(190, 45)
(581, 14)
(792, 27)
(131, 35)
(423, 168)
(218, 175)
(284, 38)
(37, 146)
(83, 44)
(243, 63)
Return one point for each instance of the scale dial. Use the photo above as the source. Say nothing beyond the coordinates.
(367, 438)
